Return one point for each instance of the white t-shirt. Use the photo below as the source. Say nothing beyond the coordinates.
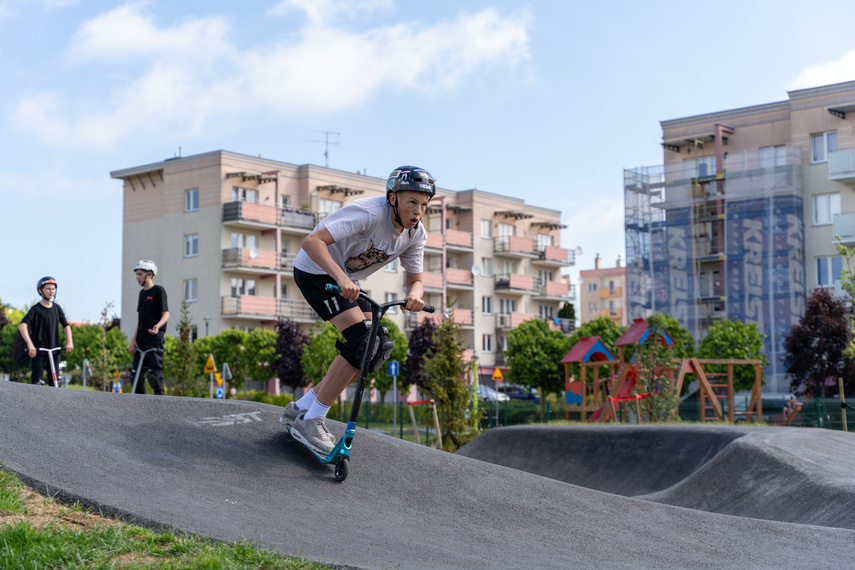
(366, 240)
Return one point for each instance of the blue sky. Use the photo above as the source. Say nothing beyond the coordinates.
(545, 100)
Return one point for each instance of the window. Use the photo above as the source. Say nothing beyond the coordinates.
(821, 144)
(592, 287)
(191, 245)
(544, 276)
(828, 270)
(486, 266)
(487, 343)
(772, 156)
(243, 287)
(506, 230)
(389, 298)
(191, 290)
(448, 223)
(546, 311)
(825, 206)
(285, 201)
(194, 333)
(507, 306)
(543, 241)
(327, 207)
(487, 305)
(699, 167)
(191, 200)
(507, 268)
(392, 266)
(486, 229)
(243, 241)
(244, 195)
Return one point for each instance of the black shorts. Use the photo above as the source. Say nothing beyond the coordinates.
(326, 304)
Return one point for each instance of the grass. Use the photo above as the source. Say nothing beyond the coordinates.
(39, 532)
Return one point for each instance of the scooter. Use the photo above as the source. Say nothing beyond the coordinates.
(50, 352)
(340, 454)
(140, 365)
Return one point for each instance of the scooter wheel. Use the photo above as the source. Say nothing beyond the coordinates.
(341, 468)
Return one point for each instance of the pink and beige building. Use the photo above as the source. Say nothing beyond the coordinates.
(602, 293)
(224, 228)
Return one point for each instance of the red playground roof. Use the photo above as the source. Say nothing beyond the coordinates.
(637, 333)
(589, 349)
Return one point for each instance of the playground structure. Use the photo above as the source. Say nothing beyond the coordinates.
(599, 396)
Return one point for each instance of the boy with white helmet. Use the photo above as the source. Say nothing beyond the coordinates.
(40, 330)
(152, 315)
(348, 245)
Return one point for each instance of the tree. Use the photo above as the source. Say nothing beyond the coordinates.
(319, 354)
(816, 350)
(287, 362)
(443, 370)
(179, 363)
(104, 348)
(4, 316)
(382, 380)
(258, 355)
(421, 342)
(535, 353)
(655, 360)
(13, 353)
(734, 340)
(568, 311)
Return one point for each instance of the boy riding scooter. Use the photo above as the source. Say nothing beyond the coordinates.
(40, 331)
(348, 245)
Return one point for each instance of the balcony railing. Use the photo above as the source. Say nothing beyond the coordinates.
(513, 320)
(249, 305)
(844, 226)
(605, 292)
(515, 282)
(243, 257)
(841, 165)
(512, 245)
(249, 212)
(458, 277)
(300, 219)
(434, 241)
(297, 310)
(611, 312)
(556, 255)
(458, 239)
(555, 289)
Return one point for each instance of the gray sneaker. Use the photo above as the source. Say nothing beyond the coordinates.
(289, 414)
(313, 434)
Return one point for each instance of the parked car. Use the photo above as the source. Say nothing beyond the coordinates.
(518, 392)
(485, 393)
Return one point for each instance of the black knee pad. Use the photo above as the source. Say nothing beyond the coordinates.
(355, 343)
(384, 349)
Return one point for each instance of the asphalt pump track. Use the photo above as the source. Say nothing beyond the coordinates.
(515, 497)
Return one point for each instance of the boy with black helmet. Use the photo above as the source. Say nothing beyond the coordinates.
(152, 314)
(348, 245)
(40, 330)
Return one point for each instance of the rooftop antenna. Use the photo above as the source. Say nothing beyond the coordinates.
(327, 144)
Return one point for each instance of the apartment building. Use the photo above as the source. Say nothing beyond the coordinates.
(603, 292)
(740, 220)
(224, 229)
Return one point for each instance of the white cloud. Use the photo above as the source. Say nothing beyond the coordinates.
(194, 80)
(837, 71)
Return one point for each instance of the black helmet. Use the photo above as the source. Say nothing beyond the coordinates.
(410, 178)
(45, 281)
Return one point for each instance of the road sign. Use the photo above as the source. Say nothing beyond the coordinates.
(393, 368)
(219, 378)
(227, 373)
(209, 365)
(497, 375)
(220, 393)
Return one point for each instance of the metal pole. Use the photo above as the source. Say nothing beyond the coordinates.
(842, 404)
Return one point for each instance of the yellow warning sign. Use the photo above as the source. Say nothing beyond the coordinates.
(497, 376)
(209, 365)
(218, 377)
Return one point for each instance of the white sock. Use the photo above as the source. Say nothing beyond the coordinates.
(316, 410)
(307, 400)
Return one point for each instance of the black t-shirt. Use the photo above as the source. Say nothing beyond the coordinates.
(43, 325)
(150, 309)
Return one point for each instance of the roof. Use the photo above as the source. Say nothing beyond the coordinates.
(637, 333)
(588, 349)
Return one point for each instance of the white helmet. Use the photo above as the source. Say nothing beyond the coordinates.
(146, 265)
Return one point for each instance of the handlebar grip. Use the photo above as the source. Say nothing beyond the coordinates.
(330, 288)
(428, 308)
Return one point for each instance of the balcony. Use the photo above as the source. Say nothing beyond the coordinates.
(611, 312)
(463, 317)
(434, 241)
(432, 282)
(296, 221)
(458, 278)
(286, 262)
(512, 321)
(553, 291)
(555, 256)
(609, 292)
(458, 241)
(250, 260)
(298, 311)
(841, 166)
(844, 226)
(515, 284)
(248, 307)
(412, 320)
(247, 214)
(512, 246)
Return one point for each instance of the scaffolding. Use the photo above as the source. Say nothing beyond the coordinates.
(707, 241)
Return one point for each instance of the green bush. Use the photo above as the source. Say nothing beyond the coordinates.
(281, 400)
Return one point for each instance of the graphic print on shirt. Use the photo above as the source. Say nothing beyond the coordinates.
(369, 257)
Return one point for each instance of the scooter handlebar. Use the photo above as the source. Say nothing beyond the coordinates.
(330, 288)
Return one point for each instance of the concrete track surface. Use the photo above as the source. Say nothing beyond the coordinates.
(226, 469)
